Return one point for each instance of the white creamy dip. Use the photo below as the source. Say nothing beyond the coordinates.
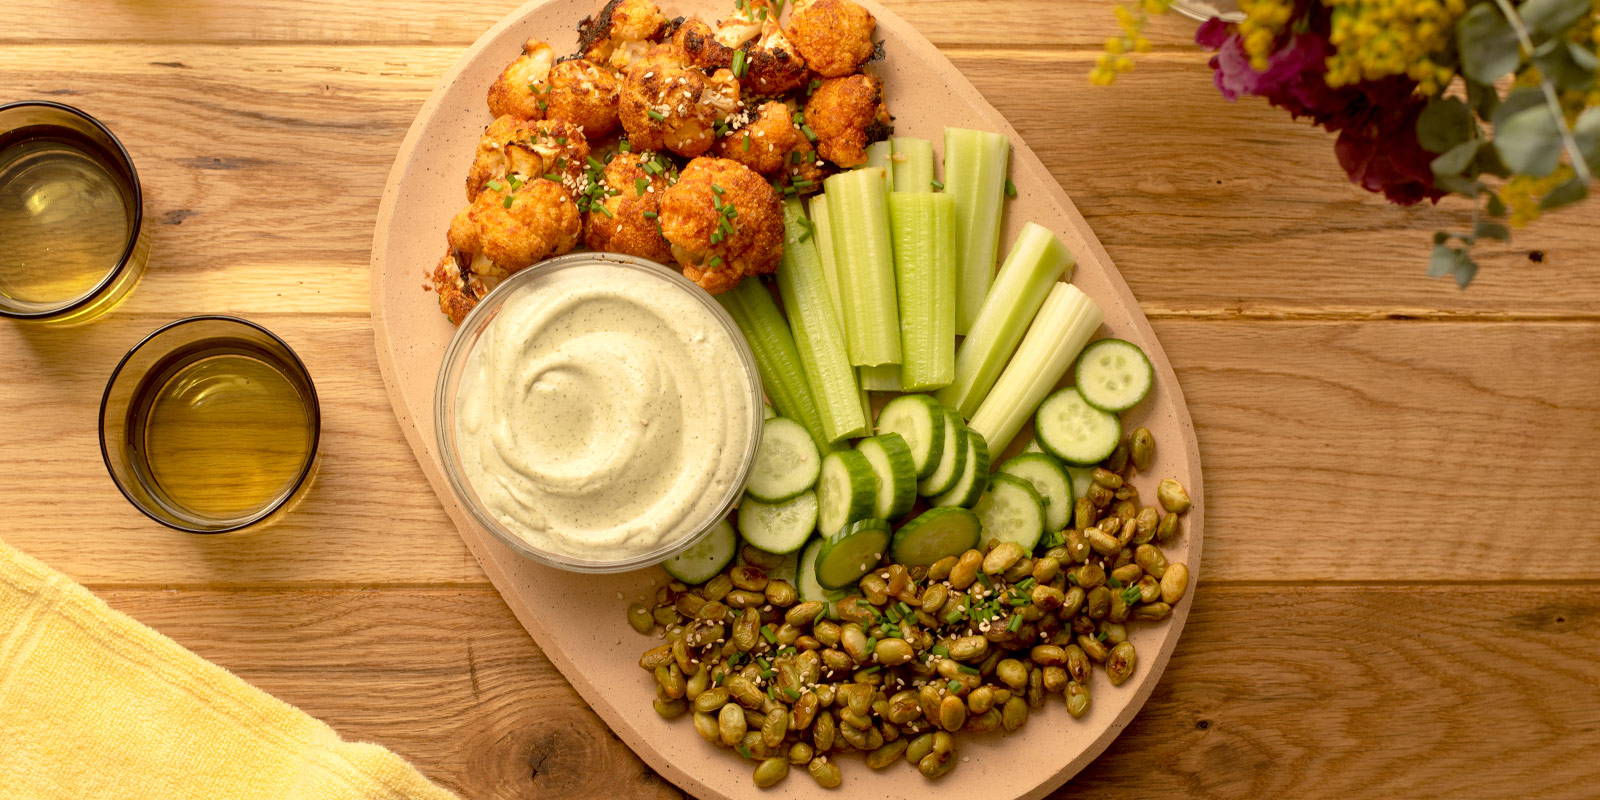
(604, 413)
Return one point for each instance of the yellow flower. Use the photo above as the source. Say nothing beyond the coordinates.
(1522, 193)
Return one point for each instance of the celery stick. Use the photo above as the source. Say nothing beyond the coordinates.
(925, 273)
(975, 175)
(817, 337)
(858, 211)
(913, 165)
(885, 378)
(822, 231)
(1037, 259)
(881, 154)
(1064, 324)
(782, 376)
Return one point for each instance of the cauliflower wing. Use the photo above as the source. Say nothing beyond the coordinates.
(724, 222)
(529, 148)
(586, 95)
(629, 222)
(668, 105)
(833, 36)
(698, 46)
(770, 66)
(622, 32)
(519, 91)
(459, 290)
(772, 145)
(847, 114)
(511, 225)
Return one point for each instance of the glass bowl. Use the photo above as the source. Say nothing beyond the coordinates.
(447, 392)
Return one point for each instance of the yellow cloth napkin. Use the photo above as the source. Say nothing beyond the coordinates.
(95, 706)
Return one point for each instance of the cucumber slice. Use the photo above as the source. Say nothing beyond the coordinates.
(1050, 480)
(952, 457)
(779, 527)
(1074, 431)
(851, 553)
(1114, 375)
(705, 558)
(920, 420)
(805, 581)
(934, 534)
(974, 475)
(1011, 511)
(846, 491)
(897, 475)
(786, 462)
(766, 411)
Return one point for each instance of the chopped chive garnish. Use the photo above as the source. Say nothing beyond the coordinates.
(738, 63)
(496, 185)
(744, 751)
(717, 189)
(561, 140)
(1015, 623)
(651, 215)
(806, 129)
(799, 117)
(1114, 583)
(983, 578)
(716, 238)
(1101, 636)
(551, 176)
(507, 202)
(954, 685)
(894, 614)
(952, 618)
(937, 185)
(1130, 594)
(544, 106)
(766, 633)
(651, 167)
(716, 261)
(940, 650)
(870, 670)
(640, 184)
(1026, 584)
(747, 143)
(968, 669)
(871, 642)
(1011, 188)
(655, 115)
(791, 694)
(596, 165)
(624, 146)
(606, 211)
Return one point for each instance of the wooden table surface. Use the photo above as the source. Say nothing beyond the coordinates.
(1401, 589)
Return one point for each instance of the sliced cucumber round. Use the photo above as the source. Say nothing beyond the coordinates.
(897, 475)
(779, 527)
(846, 491)
(705, 558)
(935, 534)
(805, 581)
(787, 462)
(1047, 477)
(920, 420)
(1011, 511)
(1074, 431)
(952, 457)
(1114, 375)
(851, 553)
(974, 475)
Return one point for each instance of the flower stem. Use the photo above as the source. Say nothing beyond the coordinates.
(1579, 167)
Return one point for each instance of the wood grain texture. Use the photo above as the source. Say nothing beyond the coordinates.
(1244, 213)
(1341, 451)
(1275, 692)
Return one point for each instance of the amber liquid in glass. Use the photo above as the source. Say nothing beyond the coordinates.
(220, 432)
(65, 216)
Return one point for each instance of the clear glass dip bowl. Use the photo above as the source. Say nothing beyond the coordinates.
(459, 353)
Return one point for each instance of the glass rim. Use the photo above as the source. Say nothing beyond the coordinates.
(314, 407)
(459, 349)
(120, 152)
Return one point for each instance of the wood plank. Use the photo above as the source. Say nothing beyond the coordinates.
(459, 22)
(1274, 691)
(1334, 451)
(1208, 207)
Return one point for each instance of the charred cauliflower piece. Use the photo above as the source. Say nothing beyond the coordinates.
(774, 146)
(632, 202)
(528, 148)
(833, 36)
(519, 91)
(847, 114)
(459, 290)
(769, 66)
(724, 222)
(511, 225)
(668, 105)
(622, 32)
(698, 46)
(585, 95)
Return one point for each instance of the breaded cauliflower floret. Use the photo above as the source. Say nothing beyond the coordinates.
(847, 114)
(511, 225)
(772, 145)
(770, 66)
(585, 95)
(667, 105)
(458, 289)
(697, 45)
(833, 36)
(519, 91)
(724, 222)
(629, 224)
(529, 148)
(620, 33)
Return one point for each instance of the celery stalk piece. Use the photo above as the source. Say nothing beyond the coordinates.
(1037, 260)
(881, 154)
(924, 268)
(975, 175)
(1064, 324)
(817, 337)
(858, 210)
(782, 376)
(822, 231)
(885, 378)
(913, 165)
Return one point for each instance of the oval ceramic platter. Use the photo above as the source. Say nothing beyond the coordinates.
(579, 620)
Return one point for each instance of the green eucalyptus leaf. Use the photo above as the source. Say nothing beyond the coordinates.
(1466, 187)
(1444, 123)
(1466, 270)
(1586, 131)
(1440, 237)
(1555, 59)
(1551, 17)
(1529, 141)
(1443, 261)
(1488, 163)
(1483, 98)
(1456, 160)
(1487, 44)
(1521, 98)
(1495, 206)
(1583, 56)
(1491, 230)
(1566, 194)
